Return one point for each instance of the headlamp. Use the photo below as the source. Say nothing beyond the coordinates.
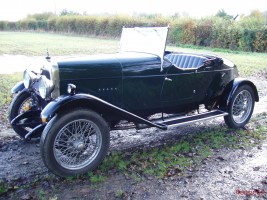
(45, 87)
(29, 78)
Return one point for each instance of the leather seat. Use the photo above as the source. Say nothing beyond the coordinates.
(186, 61)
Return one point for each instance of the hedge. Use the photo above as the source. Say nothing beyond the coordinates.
(210, 31)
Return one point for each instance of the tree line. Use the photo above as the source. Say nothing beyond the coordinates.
(244, 33)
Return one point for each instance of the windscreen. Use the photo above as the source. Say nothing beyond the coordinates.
(149, 40)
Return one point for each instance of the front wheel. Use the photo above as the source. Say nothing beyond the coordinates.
(240, 107)
(74, 142)
(17, 107)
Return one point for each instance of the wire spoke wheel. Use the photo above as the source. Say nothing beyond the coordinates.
(242, 106)
(22, 109)
(77, 144)
(74, 142)
(17, 107)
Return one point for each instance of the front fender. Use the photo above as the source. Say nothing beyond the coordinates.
(18, 87)
(236, 83)
(99, 105)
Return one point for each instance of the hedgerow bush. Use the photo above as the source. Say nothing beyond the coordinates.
(226, 34)
(247, 34)
(260, 42)
(51, 24)
(86, 25)
(204, 31)
(254, 40)
(3, 25)
(183, 31)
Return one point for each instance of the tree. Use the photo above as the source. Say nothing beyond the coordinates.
(256, 13)
(65, 12)
(255, 20)
(223, 14)
(41, 16)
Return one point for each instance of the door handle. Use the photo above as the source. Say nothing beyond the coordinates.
(168, 79)
(208, 68)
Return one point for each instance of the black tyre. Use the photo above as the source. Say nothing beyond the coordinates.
(240, 107)
(74, 142)
(17, 107)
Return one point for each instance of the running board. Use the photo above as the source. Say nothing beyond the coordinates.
(165, 123)
(175, 121)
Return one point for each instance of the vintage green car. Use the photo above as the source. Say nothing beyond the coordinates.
(74, 104)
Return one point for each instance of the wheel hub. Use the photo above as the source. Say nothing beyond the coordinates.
(77, 143)
(79, 146)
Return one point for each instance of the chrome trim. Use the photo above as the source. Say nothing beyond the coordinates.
(55, 80)
(198, 120)
(222, 113)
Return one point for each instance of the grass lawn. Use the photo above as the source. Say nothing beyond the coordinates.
(35, 44)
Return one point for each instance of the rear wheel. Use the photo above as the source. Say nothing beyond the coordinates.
(240, 107)
(74, 142)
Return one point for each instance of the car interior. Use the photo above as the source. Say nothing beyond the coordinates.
(186, 61)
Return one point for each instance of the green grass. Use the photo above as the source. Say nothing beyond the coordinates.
(36, 43)
(96, 178)
(7, 81)
(3, 188)
(42, 194)
(119, 194)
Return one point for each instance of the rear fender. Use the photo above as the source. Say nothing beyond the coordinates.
(94, 103)
(233, 86)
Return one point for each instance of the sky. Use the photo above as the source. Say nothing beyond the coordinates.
(13, 10)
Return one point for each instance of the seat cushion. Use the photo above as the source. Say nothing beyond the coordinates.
(186, 61)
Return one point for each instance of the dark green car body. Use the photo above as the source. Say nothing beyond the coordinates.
(133, 85)
(136, 83)
(74, 103)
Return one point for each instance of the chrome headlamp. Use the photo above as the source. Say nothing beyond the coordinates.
(45, 86)
(29, 78)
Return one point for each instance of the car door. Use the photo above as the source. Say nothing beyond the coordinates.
(184, 86)
(142, 84)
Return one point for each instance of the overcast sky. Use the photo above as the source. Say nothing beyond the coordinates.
(13, 10)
